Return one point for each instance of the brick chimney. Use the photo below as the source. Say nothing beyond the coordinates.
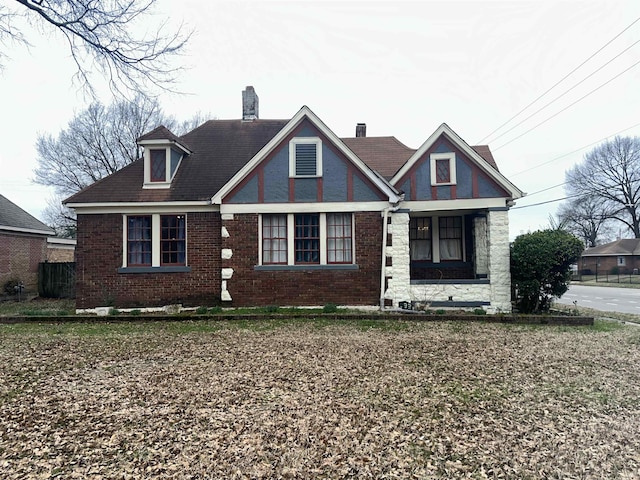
(361, 130)
(249, 104)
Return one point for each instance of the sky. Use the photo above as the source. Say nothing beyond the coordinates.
(401, 68)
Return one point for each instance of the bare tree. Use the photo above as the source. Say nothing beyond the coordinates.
(97, 142)
(588, 218)
(105, 36)
(611, 173)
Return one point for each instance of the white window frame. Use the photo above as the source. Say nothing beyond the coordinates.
(168, 174)
(291, 241)
(434, 157)
(155, 238)
(292, 156)
(622, 261)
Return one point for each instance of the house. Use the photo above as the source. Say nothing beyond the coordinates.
(621, 256)
(23, 245)
(253, 212)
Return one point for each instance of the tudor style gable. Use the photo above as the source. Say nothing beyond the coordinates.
(305, 163)
(447, 168)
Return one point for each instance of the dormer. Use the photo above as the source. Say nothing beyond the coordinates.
(163, 153)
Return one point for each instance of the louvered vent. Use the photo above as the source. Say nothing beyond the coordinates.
(306, 159)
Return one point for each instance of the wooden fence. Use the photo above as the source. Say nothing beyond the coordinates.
(57, 280)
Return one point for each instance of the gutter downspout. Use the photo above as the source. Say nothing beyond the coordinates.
(385, 229)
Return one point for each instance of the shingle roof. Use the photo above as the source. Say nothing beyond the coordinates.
(220, 148)
(13, 217)
(384, 154)
(625, 246)
(162, 133)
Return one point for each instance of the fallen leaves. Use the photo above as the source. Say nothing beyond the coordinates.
(429, 400)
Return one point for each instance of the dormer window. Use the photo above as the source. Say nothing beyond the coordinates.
(163, 152)
(305, 157)
(443, 168)
(158, 165)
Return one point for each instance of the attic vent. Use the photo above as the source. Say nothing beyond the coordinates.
(306, 159)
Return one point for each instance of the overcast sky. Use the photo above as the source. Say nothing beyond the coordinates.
(401, 68)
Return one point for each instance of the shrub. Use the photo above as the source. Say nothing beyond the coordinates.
(541, 267)
(271, 308)
(330, 308)
(114, 311)
(201, 310)
(215, 310)
(135, 312)
(10, 285)
(479, 311)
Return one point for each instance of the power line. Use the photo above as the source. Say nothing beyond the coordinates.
(561, 80)
(574, 151)
(565, 92)
(568, 106)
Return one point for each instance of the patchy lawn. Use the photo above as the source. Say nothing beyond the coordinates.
(317, 399)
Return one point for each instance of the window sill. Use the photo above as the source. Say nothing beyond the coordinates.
(453, 281)
(299, 268)
(176, 269)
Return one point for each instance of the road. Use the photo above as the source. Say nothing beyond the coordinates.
(608, 299)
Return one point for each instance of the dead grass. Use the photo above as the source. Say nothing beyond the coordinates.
(196, 400)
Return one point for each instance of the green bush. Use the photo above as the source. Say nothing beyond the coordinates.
(479, 311)
(215, 310)
(541, 268)
(114, 311)
(201, 310)
(271, 308)
(135, 312)
(330, 308)
(10, 285)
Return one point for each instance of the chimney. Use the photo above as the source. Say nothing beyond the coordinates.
(249, 104)
(361, 130)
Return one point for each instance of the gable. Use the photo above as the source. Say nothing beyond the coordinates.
(335, 175)
(470, 181)
(446, 168)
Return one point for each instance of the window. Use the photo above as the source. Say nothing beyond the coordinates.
(443, 168)
(450, 233)
(139, 241)
(172, 240)
(621, 261)
(305, 157)
(339, 238)
(274, 239)
(420, 238)
(155, 241)
(307, 239)
(158, 165)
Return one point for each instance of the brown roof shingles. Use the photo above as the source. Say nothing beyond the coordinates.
(220, 148)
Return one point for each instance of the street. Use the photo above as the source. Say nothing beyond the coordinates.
(608, 299)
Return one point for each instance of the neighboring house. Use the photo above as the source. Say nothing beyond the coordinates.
(61, 249)
(253, 212)
(621, 256)
(23, 245)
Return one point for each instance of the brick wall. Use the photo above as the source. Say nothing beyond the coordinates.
(249, 287)
(19, 258)
(608, 265)
(99, 256)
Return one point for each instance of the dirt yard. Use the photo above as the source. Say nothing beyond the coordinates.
(199, 400)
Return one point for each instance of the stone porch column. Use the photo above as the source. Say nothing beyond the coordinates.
(499, 260)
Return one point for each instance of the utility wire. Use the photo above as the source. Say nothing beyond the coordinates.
(560, 81)
(574, 151)
(568, 106)
(565, 92)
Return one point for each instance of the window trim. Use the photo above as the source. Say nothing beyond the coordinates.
(292, 156)
(434, 157)
(156, 245)
(435, 241)
(169, 172)
(291, 263)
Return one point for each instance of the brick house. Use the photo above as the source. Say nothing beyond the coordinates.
(621, 256)
(23, 245)
(254, 212)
